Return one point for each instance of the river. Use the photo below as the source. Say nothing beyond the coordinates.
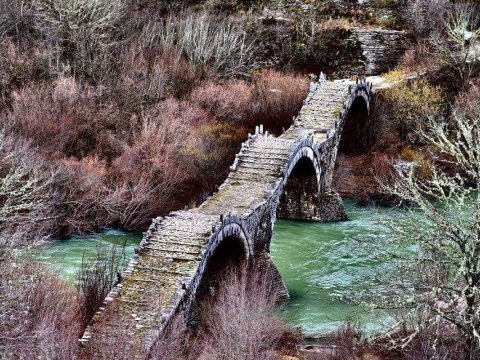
(319, 262)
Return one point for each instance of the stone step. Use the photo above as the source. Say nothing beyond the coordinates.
(172, 250)
(155, 254)
(175, 240)
(278, 160)
(253, 165)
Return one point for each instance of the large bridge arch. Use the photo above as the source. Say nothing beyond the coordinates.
(229, 248)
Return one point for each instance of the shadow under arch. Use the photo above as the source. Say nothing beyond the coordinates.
(231, 255)
(356, 137)
(300, 197)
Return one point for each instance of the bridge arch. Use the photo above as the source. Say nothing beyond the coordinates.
(230, 247)
(301, 187)
(354, 136)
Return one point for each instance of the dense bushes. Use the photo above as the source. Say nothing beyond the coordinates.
(127, 123)
(120, 160)
(39, 314)
(405, 107)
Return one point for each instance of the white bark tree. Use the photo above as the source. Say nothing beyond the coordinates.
(458, 42)
(25, 195)
(438, 276)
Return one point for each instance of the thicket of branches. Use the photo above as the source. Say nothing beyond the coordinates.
(434, 285)
(127, 112)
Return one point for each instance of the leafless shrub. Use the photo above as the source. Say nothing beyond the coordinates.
(420, 57)
(80, 196)
(242, 323)
(97, 277)
(205, 42)
(425, 16)
(439, 341)
(457, 44)
(229, 101)
(16, 19)
(160, 155)
(277, 98)
(153, 78)
(78, 31)
(26, 208)
(39, 314)
(348, 341)
(176, 343)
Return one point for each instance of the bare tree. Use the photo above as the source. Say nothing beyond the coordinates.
(242, 324)
(25, 194)
(436, 281)
(16, 18)
(39, 313)
(79, 31)
(458, 43)
(424, 16)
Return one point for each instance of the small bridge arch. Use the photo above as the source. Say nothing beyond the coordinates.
(230, 249)
(354, 135)
(301, 188)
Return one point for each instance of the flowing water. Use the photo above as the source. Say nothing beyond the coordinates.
(319, 262)
(66, 255)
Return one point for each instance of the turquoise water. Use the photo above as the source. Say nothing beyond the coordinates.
(319, 262)
(324, 262)
(66, 255)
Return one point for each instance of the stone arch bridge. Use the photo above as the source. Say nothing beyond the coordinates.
(288, 176)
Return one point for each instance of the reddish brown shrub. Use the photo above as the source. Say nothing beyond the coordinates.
(242, 323)
(382, 166)
(227, 102)
(39, 314)
(277, 98)
(37, 117)
(420, 57)
(154, 170)
(65, 118)
(467, 103)
(176, 343)
(81, 196)
(17, 67)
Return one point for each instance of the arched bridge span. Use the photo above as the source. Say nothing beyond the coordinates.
(288, 176)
